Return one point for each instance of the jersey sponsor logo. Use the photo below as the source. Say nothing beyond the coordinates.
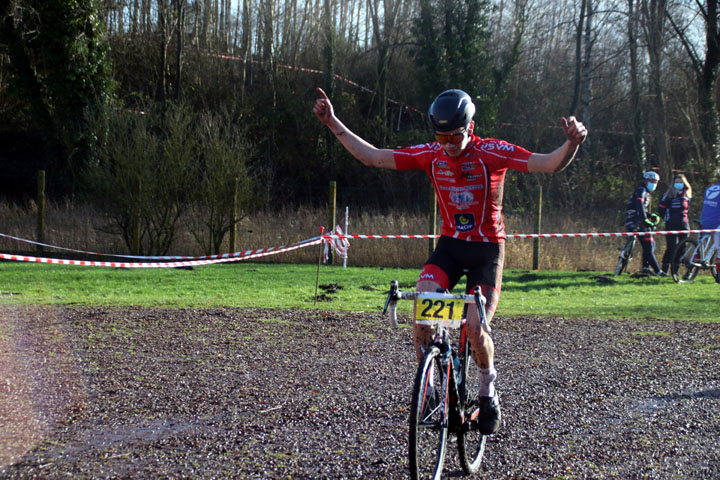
(464, 222)
(467, 166)
(712, 192)
(471, 178)
(463, 197)
(427, 276)
(447, 173)
(505, 147)
(442, 164)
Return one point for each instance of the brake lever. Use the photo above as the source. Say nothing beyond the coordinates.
(480, 304)
(391, 303)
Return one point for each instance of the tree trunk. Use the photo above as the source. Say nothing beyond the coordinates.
(162, 67)
(578, 59)
(638, 125)
(655, 26)
(587, 65)
(709, 123)
(180, 6)
(329, 82)
(134, 18)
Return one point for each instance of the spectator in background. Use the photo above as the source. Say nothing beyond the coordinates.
(638, 219)
(710, 216)
(673, 208)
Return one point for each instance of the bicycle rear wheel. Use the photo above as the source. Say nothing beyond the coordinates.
(471, 443)
(683, 268)
(625, 256)
(428, 420)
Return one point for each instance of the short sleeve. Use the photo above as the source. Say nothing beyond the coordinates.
(415, 157)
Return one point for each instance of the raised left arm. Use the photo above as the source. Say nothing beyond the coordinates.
(556, 161)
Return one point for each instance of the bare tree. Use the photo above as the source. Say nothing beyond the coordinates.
(654, 22)
(638, 130)
(180, 26)
(578, 58)
(706, 74)
(587, 65)
(387, 34)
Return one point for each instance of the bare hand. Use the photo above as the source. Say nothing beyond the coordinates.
(575, 131)
(323, 109)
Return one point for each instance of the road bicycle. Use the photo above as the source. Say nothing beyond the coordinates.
(445, 391)
(626, 253)
(693, 255)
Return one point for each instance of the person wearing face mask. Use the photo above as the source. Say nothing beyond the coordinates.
(638, 219)
(673, 208)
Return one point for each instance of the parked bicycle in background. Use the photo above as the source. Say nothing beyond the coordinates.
(694, 255)
(626, 252)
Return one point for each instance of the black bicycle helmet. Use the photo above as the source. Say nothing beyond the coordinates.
(450, 110)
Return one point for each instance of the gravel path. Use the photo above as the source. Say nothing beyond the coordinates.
(154, 393)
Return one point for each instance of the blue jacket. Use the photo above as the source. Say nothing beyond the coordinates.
(710, 216)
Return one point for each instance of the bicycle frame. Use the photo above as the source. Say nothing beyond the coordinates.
(691, 256)
(706, 249)
(626, 254)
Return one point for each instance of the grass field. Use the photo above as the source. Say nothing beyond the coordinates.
(524, 293)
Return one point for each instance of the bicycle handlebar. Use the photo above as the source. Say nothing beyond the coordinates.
(394, 294)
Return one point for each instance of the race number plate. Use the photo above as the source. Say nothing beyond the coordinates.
(434, 311)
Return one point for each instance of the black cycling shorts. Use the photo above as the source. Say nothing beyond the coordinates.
(482, 262)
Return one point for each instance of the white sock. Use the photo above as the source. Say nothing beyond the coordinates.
(487, 381)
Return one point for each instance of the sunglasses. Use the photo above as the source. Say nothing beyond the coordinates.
(454, 138)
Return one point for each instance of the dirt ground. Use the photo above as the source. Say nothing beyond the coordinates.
(251, 393)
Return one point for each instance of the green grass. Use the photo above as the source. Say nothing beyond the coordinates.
(524, 293)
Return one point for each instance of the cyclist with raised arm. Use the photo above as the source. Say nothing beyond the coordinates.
(639, 219)
(467, 173)
(710, 217)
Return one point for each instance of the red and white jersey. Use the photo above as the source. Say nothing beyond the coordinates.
(469, 188)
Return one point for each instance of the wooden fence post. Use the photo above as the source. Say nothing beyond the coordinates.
(235, 210)
(136, 220)
(41, 210)
(331, 214)
(538, 224)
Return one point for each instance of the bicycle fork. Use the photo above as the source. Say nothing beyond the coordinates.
(453, 416)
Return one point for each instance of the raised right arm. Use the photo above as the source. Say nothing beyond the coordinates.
(367, 154)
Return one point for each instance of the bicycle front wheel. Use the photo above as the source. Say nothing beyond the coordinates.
(625, 256)
(470, 442)
(684, 267)
(428, 420)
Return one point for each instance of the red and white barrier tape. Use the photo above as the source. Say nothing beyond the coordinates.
(308, 70)
(544, 235)
(167, 257)
(339, 243)
(191, 263)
